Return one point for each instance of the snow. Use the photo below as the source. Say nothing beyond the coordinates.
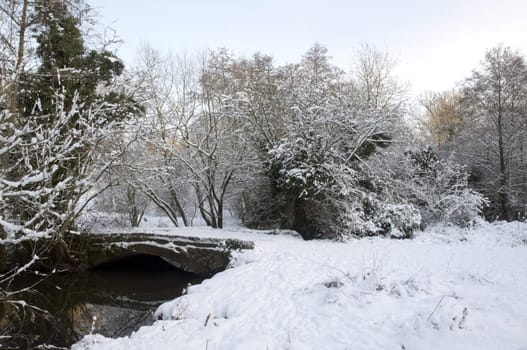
(445, 289)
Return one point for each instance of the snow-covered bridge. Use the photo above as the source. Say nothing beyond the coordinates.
(198, 255)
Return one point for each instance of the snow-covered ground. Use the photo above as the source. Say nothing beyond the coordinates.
(445, 289)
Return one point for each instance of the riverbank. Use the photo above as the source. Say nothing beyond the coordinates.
(445, 289)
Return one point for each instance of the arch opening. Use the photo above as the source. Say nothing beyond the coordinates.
(136, 262)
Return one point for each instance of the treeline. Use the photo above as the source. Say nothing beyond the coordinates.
(304, 146)
(483, 125)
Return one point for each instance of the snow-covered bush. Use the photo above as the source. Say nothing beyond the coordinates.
(398, 192)
(44, 181)
(373, 215)
(439, 188)
(400, 220)
(301, 166)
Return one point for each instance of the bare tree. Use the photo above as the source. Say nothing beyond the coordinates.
(165, 87)
(444, 117)
(373, 79)
(494, 143)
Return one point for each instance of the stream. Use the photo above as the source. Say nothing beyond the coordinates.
(113, 300)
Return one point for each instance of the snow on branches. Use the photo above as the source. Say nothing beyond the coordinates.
(48, 167)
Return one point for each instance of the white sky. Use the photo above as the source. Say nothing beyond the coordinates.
(436, 42)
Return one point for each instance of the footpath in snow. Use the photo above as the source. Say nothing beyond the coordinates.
(445, 289)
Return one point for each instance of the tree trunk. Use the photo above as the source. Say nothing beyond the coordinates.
(502, 176)
(220, 214)
(179, 207)
(290, 213)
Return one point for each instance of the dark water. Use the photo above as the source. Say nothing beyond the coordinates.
(113, 300)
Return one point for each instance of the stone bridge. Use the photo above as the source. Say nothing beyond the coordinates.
(201, 256)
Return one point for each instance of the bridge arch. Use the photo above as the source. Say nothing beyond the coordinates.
(200, 256)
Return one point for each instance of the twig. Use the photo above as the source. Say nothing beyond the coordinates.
(207, 320)
(435, 309)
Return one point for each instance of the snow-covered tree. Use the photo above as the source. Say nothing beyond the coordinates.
(191, 134)
(494, 144)
(164, 87)
(483, 127)
(33, 202)
(321, 130)
(56, 114)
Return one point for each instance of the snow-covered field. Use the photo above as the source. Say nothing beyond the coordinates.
(446, 289)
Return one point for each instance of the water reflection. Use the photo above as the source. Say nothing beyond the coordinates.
(113, 300)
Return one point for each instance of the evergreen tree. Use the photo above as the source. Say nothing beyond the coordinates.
(66, 65)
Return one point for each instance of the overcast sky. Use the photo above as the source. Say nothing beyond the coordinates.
(437, 43)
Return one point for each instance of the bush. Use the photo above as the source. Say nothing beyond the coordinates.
(372, 217)
(400, 220)
(439, 188)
